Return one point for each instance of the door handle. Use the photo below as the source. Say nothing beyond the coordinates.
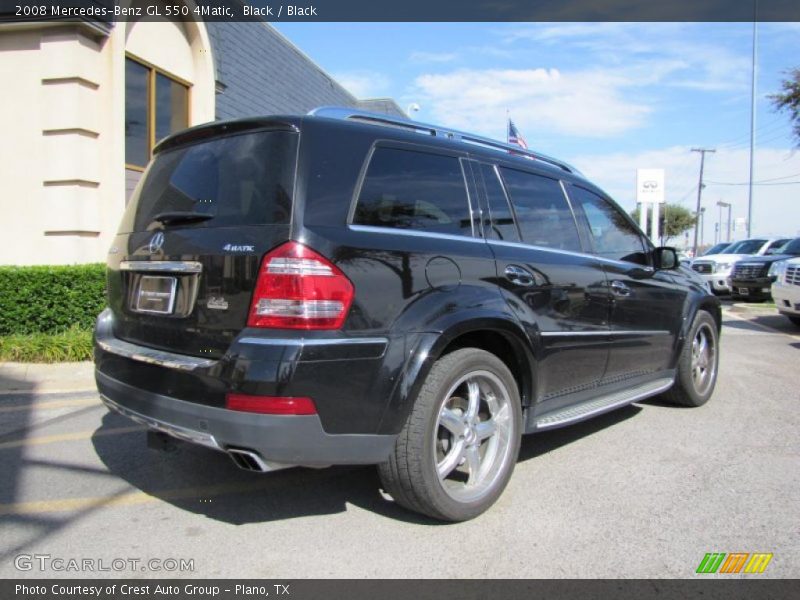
(620, 289)
(519, 276)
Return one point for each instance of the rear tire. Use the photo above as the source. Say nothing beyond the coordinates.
(795, 320)
(457, 450)
(697, 364)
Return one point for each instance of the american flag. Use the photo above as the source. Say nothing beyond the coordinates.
(515, 137)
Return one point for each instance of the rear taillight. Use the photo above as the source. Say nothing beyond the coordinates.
(270, 405)
(299, 289)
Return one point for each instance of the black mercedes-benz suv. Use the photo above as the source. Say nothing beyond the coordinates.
(348, 288)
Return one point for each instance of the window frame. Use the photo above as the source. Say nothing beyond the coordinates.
(153, 72)
(585, 249)
(478, 174)
(461, 157)
(584, 226)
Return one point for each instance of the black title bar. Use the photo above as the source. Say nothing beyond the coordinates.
(404, 10)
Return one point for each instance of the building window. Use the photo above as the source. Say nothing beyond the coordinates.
(156, 105)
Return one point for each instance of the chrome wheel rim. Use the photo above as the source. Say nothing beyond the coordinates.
(473, 436)
(704, 364)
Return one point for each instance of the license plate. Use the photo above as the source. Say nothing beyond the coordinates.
(744, 291)
(156, 294)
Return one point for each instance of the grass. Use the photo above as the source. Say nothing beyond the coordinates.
(69, 346)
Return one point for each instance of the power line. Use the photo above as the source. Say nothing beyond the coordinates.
(754, 183)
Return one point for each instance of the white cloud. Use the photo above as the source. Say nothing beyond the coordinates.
(433, 57)
(775, 210)
(364, 84)
(700, 65)
(586, 103)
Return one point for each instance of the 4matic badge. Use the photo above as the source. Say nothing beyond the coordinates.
(238, 248)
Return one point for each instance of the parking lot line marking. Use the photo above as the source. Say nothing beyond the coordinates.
(52, 404)
(130, 499)
(766, 328)
(68, 437)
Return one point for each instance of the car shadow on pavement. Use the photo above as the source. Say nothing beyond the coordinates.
(548, 441)
(206, 482)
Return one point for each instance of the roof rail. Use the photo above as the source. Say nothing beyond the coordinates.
(353, 114)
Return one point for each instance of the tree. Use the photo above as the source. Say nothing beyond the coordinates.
(789, 100)
(673, 220)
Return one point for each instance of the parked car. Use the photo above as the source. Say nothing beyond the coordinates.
(716, 249)
(716, 268)
(348, 288)
(786, 289)
(751, 278)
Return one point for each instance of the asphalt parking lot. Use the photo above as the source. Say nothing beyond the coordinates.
(643, 492)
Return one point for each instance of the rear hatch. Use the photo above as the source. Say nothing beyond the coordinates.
(211, 203)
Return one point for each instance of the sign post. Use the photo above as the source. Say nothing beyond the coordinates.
(650, 191)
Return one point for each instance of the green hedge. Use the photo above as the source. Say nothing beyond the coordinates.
(50, 299)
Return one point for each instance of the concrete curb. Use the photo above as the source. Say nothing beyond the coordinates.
(46, 378)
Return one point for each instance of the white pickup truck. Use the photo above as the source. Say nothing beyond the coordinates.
(786, 288)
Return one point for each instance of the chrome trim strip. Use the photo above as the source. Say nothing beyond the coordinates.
(311, 342)
(610, 332)
(182, 433)
(168, 266)
(601, 259)
(152, 356)
(392, 230)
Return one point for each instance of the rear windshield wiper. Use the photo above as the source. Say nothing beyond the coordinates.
(181, 217)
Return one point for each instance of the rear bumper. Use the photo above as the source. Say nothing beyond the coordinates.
(278, 440)
(350, 380)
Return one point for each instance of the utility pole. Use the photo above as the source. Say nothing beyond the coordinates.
(700, 185)
(753, 82)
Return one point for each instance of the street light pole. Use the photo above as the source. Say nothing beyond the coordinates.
(702, 224)
(702, 152)
(722, 205)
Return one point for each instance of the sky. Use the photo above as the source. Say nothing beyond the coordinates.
(606, 97)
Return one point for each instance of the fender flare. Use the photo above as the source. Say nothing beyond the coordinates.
(425, 348)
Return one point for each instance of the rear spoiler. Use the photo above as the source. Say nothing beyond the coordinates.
(220, 128)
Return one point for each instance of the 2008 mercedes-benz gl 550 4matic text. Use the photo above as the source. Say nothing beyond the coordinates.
(348, 288)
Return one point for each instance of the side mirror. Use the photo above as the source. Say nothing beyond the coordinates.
(665, 258)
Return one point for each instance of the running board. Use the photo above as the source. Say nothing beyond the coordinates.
(591, 408)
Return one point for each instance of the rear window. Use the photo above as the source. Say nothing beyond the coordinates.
(405, 189)
(237, 180)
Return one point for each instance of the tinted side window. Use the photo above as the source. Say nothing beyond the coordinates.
(543, 214)
(613, 236)
(502, 226)
(414, 190)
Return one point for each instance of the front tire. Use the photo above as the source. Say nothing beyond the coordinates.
(457, 450)
(697, 364)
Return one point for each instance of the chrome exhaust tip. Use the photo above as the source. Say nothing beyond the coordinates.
(248, 460)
